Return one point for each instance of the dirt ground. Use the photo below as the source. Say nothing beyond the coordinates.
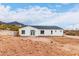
(38, 46)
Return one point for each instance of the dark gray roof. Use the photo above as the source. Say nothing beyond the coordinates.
(47, 27)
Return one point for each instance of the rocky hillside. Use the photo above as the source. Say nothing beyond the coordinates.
(11, 25)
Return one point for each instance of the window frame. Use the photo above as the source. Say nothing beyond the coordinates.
(60, 30)
(22, 31)
(55, 30)
(32, 32)
(51, 31)
(42, 32)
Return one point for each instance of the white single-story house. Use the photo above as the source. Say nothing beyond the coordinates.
(41, 31)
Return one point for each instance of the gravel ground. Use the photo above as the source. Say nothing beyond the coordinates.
(38, 46)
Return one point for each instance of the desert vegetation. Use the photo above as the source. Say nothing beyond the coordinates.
(9, 27)
(72, 32)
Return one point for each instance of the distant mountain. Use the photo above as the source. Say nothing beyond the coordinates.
(13, 23)
(73, 27)
(2, 22)
(16, 23)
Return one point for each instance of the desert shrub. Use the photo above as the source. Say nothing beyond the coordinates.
(51, 41)
(72, 32)
(9, 27)
(3, 26)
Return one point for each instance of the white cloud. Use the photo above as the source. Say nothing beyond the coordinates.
(58, 6)
(34, 14)
(70, 17)
(39, 15)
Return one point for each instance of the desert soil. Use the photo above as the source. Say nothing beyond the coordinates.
(38, 46)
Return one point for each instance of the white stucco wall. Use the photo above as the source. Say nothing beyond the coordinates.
(47, 32)
(27, 31)
(58, 33)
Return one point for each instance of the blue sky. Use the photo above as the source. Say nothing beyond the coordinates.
(58, 6)
(59, 14)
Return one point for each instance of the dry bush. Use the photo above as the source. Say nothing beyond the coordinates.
(72, 32)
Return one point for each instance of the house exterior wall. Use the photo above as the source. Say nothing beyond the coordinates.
(47, 32)
(27, 31)
(58, 32)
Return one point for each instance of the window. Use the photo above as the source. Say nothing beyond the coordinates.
(42, 32)
(55, 31)
(32, 32)
(51, 32)
(60, 30)
(23, 31)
